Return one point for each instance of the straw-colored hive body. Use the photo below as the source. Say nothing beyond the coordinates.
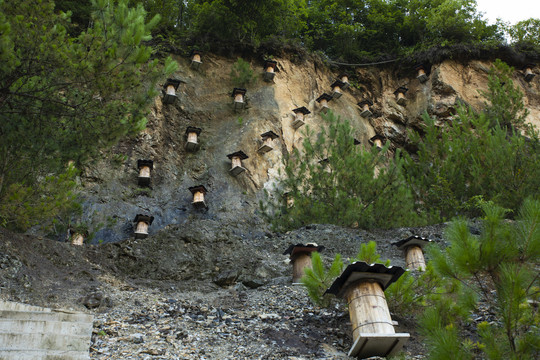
(421, 73)
(400, 95)
(236, 162)
(192, 141)
(363, 285)
(196, 61)
(238, 96)
(269, 70)
(529, 75)
(198, 193)
(414, 255)
(323, 102)
(365, 110)
(337, 87)
(299, 116)
(267, 142)
(142, 223)
(300, 256)
(171, 85)
(145, 168)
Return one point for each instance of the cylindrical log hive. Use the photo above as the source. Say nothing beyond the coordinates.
(324, 103)
(270, 69)
(198, 197)
(337, 89)
(239, 98)
(144, 171)
(414, 258)
(400, 95)
(368, 309)
(196, 57)
(366, 107)
(142, 228)
(378, 143)
(192, 137)
(299, 116)
(421, 72)
(344, 79)
(528, 71)
(299, 263)
(236, 161)
(171, 90)
(77, 239)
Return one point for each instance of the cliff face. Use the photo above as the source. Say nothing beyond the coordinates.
(113, 198)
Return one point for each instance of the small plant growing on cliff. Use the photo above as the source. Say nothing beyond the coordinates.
(241, 73)
(318, 279)
(493, 277)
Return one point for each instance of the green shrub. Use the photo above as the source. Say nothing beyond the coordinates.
(241, 73)
(318, 279)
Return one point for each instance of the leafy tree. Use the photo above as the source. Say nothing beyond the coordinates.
(333, 181)
(64, 98)
(526, 32)
(496, 270)
(225, 22)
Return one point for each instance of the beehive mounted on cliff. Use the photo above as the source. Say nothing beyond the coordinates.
(145, 168)
(323, 102)
(198, 192)
(267, 142)
(364, 105)
(170, 87)
(236, 162)
(192, 141)
(400, 95)
(142, 223)
(238, 95)
(299, 115)
(270, 67)
(196, 59)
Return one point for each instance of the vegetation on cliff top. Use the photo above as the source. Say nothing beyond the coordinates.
(64, 98)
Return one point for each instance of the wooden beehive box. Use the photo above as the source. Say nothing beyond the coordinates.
(344, 78)
(300, 256)
(377, 140)
(529, 75)
(421, 73)
(267, 142)
(299, 116)
(400, 95)
(145, 168)
(196, 59)
(337, 87)
(323, 102)
(414, 256)
(363, 285)
(142, 223)
(364, 106)
(170, 87)
(270, 67)
(198, 192)
(236, 162)
(238, 96)
(192, 141)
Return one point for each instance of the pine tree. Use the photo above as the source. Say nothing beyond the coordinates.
(64, 98)
(496, 271)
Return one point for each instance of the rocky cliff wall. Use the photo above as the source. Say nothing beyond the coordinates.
(113, 198)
